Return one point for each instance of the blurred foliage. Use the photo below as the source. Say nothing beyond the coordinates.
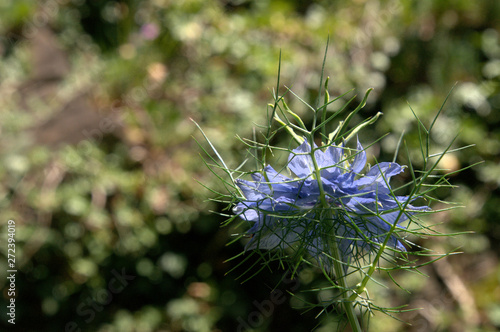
(109, 188)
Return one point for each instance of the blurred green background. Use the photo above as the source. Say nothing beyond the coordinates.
(98, 164)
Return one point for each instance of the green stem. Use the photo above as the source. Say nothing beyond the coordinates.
(341, 279)
(337, 261)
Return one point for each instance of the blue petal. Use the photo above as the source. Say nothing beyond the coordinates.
(359, 160)
(376, 231)
(260, 188)
(378, 177)
(246, 213)
(375, 173)
(250, 190)
(273, 176)
(331, 188)
(308, 188)
(270, 237)
(299, 161)
(332, 167)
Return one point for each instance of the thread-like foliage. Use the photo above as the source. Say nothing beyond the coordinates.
(324, 207)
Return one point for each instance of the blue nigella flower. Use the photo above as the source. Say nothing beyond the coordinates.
(360, 209)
